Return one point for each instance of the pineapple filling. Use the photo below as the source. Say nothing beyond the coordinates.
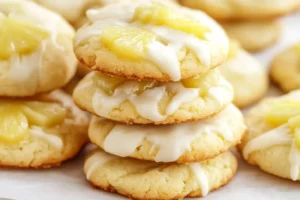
(128, 42)
(161, 15)
(234, 48)
(17, 117)
(286, 111)
(19, 37)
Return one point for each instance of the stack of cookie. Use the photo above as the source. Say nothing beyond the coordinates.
(163, 114)
(37, 130)
(250, 22)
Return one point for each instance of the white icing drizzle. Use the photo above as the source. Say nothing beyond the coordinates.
(52, 139)
(146, 103)
(201, 177)
(172, 140)
(294, 159)
(96, 160)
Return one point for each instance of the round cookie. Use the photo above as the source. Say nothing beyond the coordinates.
(143, 102)
(243, 10)
(147, 180)
(254, 35)
(240, 70)
(41, 131)
(37, 49)
(285, 69)
(148, 40)
(271, 141)
(186, 142)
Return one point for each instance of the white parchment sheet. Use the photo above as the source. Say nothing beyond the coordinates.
(68, 182)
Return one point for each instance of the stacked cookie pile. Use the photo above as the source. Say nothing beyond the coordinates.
(163, 118)
(37, 130)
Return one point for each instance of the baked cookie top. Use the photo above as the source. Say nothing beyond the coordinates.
(149, 40)
(273, 139)
(147, 102)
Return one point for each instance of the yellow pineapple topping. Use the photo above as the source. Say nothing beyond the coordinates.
(128, 42)
(17, 116)
(234, 48)
(19, 37)
(161, 15)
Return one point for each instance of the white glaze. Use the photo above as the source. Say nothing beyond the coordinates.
(172, 140)
(96, 160)
(201, 177)
(52, 139)
(294, 159)
(164, 50)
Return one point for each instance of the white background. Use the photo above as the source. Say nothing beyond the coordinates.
(68, 182)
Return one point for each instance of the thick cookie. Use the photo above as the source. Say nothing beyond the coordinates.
(272, 139)
(144, 102)
(147, 180)
(187, 142)
(247, 76)
(285, 69)
(42, 131)
(150, 41)
(246, 9)
(254, 35)
(36, 49)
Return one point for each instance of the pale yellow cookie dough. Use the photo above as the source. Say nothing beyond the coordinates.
(145, 102)
(247, 76)
(285, 69)
(254, 35)
(246, 9)
(276, 142)
(187, 142)
(137, 48)
(45, 60)
(43, 146)
(147, 180)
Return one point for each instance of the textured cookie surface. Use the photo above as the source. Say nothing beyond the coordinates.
(48, 135)
(254, 35)
(147, 180)
(247, 9)
(143, 40)
(273, 148)
(285, 69)
(187, 142)
(37, 52)
(144, 102)
(247, 76)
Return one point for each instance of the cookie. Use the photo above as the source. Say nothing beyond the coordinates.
(240, 70)
(243, 10)
(37, 49)
(254, 35)
(186, 142)
(150, 40)
(285, 69)
(145, 102)
(272, 139)
(147, 180)
(41, 131)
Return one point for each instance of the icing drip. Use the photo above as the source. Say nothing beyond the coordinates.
(172, 140)
(96, 160)
(294, 159)
(52, 139)
(201, 177)
(146, 103)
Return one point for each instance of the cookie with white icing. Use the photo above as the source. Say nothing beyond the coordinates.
(148, 180)
(150, 40)
(182, 143)
(285, 68)
(36, 49)
(42, 131)
(145, 102)
(240, 70)
(254, 35)
(272, 139)
(245, 10)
